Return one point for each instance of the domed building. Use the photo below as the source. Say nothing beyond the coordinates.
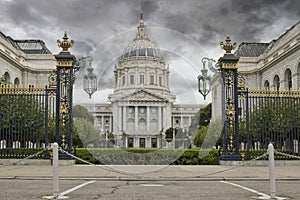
(142, 107)
(142, 99)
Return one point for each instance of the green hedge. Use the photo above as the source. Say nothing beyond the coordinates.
(148, 156)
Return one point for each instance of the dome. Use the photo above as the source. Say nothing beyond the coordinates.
(141, 47)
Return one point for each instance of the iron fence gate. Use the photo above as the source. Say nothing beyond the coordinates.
(267, 115)
(26, 120)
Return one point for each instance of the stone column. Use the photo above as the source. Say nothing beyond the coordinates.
(136, 118)
(120, 120)
(126, 141)
(147, 77)
(115, 118)
(159, 118)
(126, 76)
(167, 81)
(156, 77)
(124, 118)
(148, 119)
(110, 123)
(136, 78)
(136, 142)
(102, 123)
(164, 118)
(181, 121)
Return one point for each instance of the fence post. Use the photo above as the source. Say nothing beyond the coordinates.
(272, 171)
(55, 170)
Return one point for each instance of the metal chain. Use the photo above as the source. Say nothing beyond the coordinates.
(162, 178)
(101, 166)
(231, 168)
(285, 154)
(28, 157)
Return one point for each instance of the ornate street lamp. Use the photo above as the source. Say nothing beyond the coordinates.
(204, 80)
(90, 79)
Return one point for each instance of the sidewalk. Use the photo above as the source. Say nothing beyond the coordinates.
(138, 172)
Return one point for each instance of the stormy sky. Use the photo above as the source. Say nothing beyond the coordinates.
(186, 31)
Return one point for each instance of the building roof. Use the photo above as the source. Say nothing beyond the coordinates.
(142, 47)
(251, 49)
(255, 49)
(27, 46)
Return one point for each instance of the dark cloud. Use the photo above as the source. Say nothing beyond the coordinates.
(101, 28)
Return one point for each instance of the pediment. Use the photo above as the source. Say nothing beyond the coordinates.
(143, 95)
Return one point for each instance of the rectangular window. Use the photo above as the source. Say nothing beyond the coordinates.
(141, 79)
(123, 80)
(130, 142)
(142, 143)
(151, 79)
(132, 79)
(153, 142)
(160, 81)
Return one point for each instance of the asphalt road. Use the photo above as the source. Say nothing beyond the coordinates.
(12, 189)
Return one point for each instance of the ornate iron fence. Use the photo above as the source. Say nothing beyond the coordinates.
(26, 115)
(269, 115)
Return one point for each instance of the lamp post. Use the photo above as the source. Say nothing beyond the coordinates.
(89, 79)
(204, 80)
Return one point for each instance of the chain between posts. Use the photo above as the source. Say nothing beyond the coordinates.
(135, 175)
(285, 154)
(26, 158)
(103, 167)
(161, 178)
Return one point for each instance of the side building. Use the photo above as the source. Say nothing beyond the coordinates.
(25, 62)
(271, 65)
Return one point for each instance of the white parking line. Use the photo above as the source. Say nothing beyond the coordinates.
(62, 195)
(75, 188)
(262, 195)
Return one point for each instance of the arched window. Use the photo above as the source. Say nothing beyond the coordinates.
(142, 125)
(288, 78)
(130, 125)
(276, 82)
(6, 78)
(17, 81)
(266, 84)
(154, 125)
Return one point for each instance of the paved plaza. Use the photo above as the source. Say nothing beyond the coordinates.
(148, 182)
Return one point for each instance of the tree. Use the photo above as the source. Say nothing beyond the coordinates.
(201, 119)
(209, 136)
(111, 138)
(169, 133)
(87, 133)
(82, 112)
(22, 118)
(273, 119)
(199, 136)
(84, 123)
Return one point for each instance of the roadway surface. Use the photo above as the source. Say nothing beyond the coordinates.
(148, 182)
(106, 190)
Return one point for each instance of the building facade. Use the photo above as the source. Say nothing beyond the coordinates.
(25, 62)
(271, 65)
(142, 107)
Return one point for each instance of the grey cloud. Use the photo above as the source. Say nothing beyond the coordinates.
(97, 26)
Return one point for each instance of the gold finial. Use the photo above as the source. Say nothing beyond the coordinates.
(65, 44)
(228, 47)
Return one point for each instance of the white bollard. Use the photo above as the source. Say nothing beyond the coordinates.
(55, 171)
(272, 171)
